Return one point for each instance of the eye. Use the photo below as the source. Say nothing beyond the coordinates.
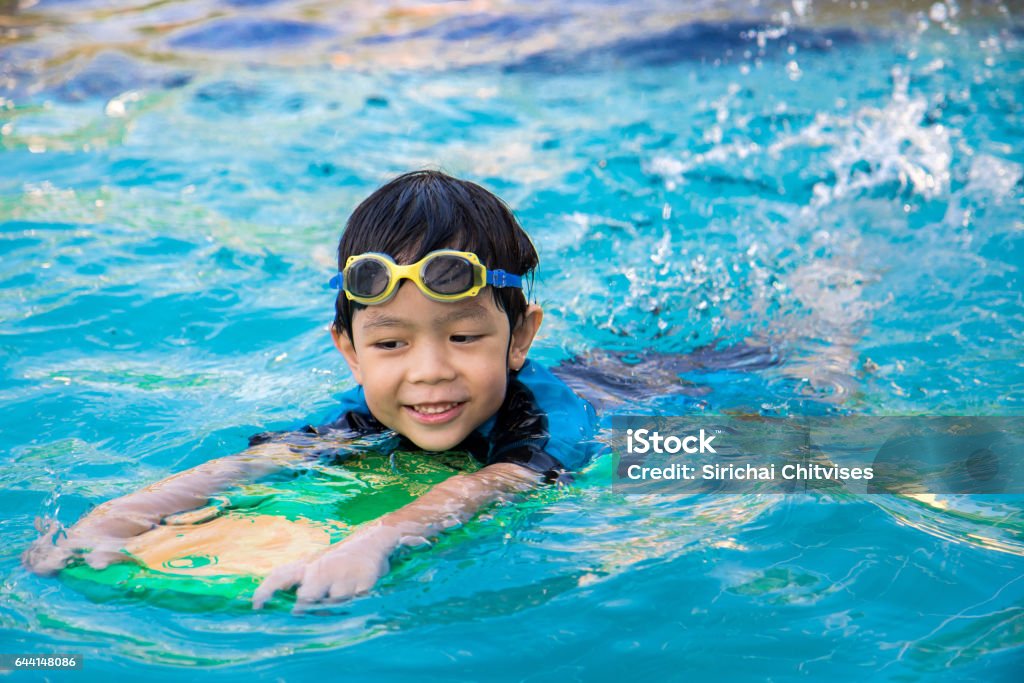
(465, 338)
(388, 345)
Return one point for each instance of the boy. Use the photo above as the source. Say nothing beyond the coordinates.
(438, 346)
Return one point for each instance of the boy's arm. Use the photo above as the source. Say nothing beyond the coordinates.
(353, 565)
(99, 536)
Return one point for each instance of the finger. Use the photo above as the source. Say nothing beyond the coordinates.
(367, 579)
(101, 559)
(106, 551)
(342, 590)
(363, 584)
(47, 526)
(282, 578)
(314, 587)
(359, 580)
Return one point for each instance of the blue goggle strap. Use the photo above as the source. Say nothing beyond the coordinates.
(499, 278)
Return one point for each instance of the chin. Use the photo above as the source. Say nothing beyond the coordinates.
(436, 443)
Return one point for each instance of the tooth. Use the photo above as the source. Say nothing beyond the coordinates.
(435, 409)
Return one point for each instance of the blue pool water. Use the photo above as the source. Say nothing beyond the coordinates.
(846, 185)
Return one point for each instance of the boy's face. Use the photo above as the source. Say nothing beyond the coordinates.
(435, 371)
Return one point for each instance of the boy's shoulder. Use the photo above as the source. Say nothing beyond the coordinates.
(572, 421)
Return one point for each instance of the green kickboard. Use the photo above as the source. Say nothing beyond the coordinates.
(215, 557)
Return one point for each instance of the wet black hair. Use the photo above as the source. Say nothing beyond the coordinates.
(423, 211)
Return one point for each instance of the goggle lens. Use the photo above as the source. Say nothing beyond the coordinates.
(447, 274)
(367, 278)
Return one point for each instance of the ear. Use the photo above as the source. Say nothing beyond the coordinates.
(344, 344)
(522, 336)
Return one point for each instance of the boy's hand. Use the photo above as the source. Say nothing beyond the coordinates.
(346, 569)
(353, 566)
(47, 556)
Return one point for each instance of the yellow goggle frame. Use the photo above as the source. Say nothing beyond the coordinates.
(477, 276)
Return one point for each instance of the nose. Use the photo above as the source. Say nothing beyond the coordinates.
(430, 363)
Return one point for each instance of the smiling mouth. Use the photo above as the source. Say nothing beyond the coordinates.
(434, 413)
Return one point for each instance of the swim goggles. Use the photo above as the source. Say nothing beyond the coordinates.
(444, 275)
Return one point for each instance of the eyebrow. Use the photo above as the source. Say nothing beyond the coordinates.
(377, 320)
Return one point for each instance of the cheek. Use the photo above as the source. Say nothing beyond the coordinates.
(493, 382)
(378, 384)
(372, 400)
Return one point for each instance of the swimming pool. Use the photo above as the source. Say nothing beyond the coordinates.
(845, 185)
